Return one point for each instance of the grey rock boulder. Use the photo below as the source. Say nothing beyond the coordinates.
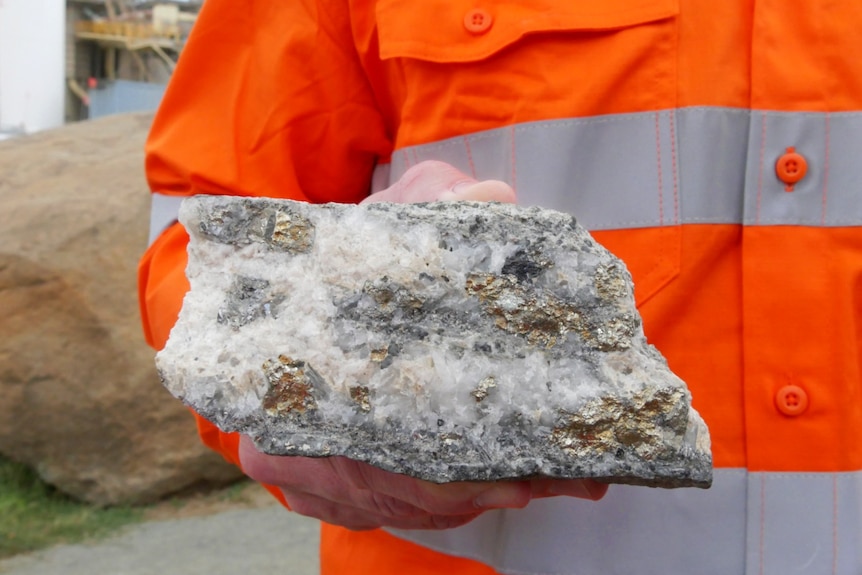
(447, 341)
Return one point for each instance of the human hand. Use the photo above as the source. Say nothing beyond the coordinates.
(431, 181)
(359, 496)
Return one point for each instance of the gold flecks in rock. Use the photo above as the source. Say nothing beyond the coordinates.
(290, 232)
(291, 386)
(361, 395)
(380, 354)
(484, 388)
(607, 424)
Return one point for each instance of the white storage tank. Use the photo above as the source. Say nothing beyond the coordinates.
(32, 65)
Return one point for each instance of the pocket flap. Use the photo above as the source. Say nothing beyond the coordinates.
(440, 30)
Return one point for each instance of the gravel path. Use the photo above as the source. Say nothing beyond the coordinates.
(264, 541)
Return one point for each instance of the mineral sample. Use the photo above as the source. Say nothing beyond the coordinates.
(449, 341)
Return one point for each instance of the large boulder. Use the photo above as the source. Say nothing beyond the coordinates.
(80, 399)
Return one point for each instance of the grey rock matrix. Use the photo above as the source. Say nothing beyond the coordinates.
(448, 341)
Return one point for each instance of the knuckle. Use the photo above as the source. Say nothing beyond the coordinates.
(333, 513)
(388, 506)
(443, 501)
(356, 474)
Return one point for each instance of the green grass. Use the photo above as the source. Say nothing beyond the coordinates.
(34, 515)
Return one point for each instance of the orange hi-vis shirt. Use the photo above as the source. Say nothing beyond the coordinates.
(716, 147)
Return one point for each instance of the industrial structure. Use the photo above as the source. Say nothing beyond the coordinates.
(68, 60)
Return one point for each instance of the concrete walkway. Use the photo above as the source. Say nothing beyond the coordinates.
(241, 542)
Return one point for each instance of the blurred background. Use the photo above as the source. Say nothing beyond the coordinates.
(94, 453)
(68, 60)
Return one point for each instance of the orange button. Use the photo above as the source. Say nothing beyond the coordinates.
(791, 400)
(478, 21)
(790, 168)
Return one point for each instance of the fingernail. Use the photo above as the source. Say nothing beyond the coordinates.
(499, 497)
(462, 186)
(456, 191)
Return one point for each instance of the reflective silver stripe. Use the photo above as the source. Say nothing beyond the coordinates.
(747, 523)
(689, 165)
(163, 212)
(805, 523)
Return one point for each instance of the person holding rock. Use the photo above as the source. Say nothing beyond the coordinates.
(713, 147)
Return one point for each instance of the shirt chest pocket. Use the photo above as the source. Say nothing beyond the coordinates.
(561, 98)
(470, 30)
(492, 62)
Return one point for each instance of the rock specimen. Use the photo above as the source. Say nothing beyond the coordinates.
(80, 399)
(448, 341)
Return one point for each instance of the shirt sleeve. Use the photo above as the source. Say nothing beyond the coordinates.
(268, 99)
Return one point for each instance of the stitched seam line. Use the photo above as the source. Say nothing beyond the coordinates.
(542, 124)
(760, 168)
(701, 110)
(825, 172)
(470, 156)
(673, 166)
(658, 161)
(762, 519)
(807, 474)
(514, 172)
(834, 524)
(809, 222)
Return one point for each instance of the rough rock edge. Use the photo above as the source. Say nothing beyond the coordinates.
(387, 448)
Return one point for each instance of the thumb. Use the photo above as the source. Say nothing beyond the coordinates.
(432, 181)
(484, 191)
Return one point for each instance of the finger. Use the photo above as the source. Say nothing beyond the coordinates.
(423, 182)
(276, 470)
(580, 488)
(484, 191)
(308, 479)
(344, 481)
(359, 519)
(316, 476)
(446, 499)
(311, 482)
(430, 181)
(331, 512)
